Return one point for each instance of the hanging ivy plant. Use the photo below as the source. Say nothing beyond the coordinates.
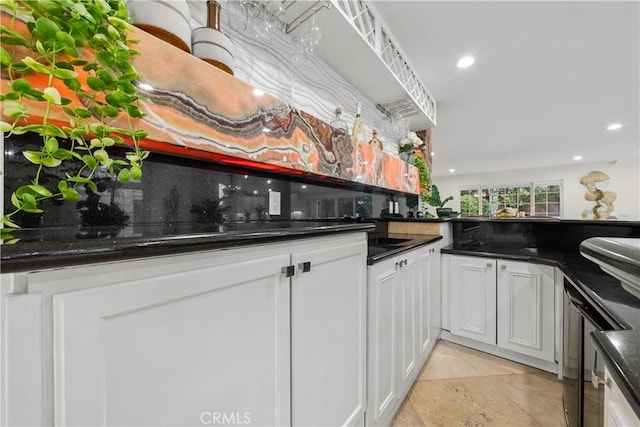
(71, 58)
(425, 178)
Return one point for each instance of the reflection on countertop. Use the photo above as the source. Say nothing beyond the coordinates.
(47, 247)
(386, 245)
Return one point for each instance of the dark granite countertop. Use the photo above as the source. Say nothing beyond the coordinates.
(403, 219)
(381, 251)
(620, 347)
(549, 220)
(37, 250)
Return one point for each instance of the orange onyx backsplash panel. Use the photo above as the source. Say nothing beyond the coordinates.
(192, 109)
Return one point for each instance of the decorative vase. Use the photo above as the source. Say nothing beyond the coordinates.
(210, 44)
(167, 20)
(214, 47)
(443, 212)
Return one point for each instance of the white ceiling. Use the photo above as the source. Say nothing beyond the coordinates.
(548, 78)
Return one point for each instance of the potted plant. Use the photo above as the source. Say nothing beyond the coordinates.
(408, 145)
(67, 77)
(434, 200)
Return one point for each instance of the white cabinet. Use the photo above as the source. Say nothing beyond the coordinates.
(402, 327)
(429, 307)
(218, 337)
(328, 335)
(526, 309)
(617, 410)
(409, 303)
(382, 343)
(170, 349)
(506, 306)
(473, 298)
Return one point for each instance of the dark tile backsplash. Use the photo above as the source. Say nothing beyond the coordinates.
(177, 194)
(553, 234)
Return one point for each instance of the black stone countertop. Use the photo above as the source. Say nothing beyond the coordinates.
(37, 251)
(620, 347)
(403, 219)
(550, 220)
(379, 251)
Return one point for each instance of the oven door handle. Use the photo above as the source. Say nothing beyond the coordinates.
(585, 312)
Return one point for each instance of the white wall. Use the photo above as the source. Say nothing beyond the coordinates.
(624, 179)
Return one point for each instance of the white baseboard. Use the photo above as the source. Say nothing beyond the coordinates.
(497, 351)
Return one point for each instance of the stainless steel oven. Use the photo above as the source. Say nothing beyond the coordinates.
(583, 394)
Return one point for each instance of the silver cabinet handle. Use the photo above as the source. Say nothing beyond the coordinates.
(489, 264)
(288, 270)
(503, 267)
(304, 266)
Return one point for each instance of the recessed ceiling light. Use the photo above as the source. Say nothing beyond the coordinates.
(255, 191)
(452, 170)
(466, 61)
(614, 126)
(433, 153)
(304, 186)
(577, 157)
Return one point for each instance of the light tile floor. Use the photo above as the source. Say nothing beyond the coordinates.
(459, 386)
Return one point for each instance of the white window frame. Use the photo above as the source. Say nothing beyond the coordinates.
(532, 185)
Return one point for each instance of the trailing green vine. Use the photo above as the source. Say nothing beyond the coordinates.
(53, 57)
(425, 178)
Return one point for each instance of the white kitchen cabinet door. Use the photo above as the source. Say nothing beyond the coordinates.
(617, 411)
(429, 298)
(328, 336)
(408, 298)
(185, 348)
(21, 361)
(473, 298)
(435, 292)
(395, 328)
(526, 309)
(383, 316)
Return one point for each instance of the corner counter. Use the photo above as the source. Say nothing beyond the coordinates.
(620, 347)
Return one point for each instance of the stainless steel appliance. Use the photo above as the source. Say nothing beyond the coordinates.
(583, 370)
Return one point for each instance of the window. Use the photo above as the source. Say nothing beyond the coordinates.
(537, 198)
(547, 200)
(470, 202)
